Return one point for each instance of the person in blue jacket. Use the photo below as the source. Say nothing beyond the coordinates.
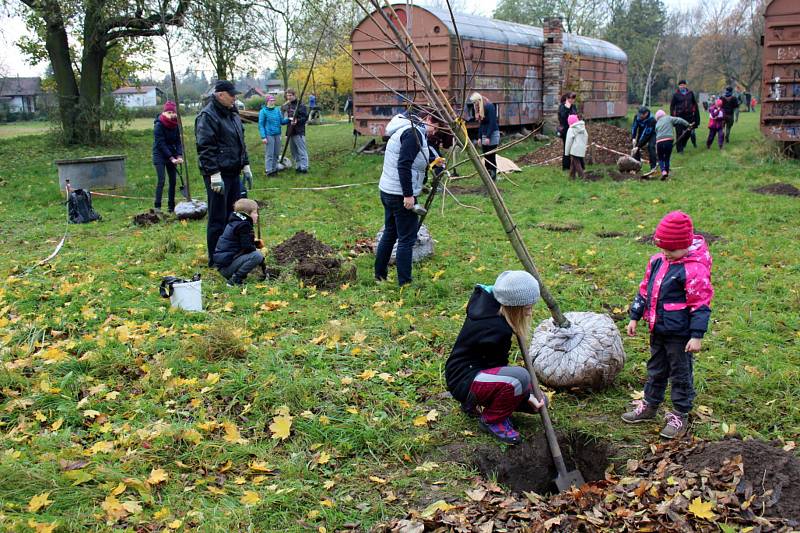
(488, 130)
(270, 120)
(643, 133)
(167, 153)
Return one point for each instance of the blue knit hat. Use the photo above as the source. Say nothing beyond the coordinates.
(516, 288)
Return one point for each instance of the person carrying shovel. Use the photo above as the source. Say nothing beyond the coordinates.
(477, 372)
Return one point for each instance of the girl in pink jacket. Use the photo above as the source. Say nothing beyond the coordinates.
(716, 124)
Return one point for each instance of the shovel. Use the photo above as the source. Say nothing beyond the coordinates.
(564, 479)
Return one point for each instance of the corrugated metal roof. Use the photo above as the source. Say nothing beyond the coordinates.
(501, 31)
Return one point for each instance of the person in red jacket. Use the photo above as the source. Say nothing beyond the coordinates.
(477, 372)
(674, 298)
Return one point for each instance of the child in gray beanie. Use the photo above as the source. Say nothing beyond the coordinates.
(477, 370)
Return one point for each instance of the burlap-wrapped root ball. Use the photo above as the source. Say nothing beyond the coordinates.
(587, 354)
(627, 163)
(423, 247)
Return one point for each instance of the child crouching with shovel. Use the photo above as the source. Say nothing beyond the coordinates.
(477, 370)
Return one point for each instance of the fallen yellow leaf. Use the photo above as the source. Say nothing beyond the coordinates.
(702, 509)
(323, 458)
(281, 427)
(250, 498)
(440, 505)
(157, 475)
(38, 501)
(42, 527)
(232, 433)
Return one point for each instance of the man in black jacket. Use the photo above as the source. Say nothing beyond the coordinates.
(684, 105)
(296, 131)
(222, 156)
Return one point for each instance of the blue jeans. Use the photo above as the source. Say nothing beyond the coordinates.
(400, 225)
(162, 171)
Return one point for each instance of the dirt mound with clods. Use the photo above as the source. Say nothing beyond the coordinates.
(684, 485)
(607, 139)
(768, 475)
(312, 261)
(709, 237)
(778, 189)
(148, 218)
(299, 246)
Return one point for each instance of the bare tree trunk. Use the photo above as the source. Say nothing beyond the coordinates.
(67, 87)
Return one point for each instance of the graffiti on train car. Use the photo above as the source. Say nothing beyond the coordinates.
(785, 109)
(792, 132)
(789, 52)
(532, 95)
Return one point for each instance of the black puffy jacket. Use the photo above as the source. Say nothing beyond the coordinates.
(237, 239)
(685, 107)
(563, 115)
(220, 139)
(299, 111)
(484, 342)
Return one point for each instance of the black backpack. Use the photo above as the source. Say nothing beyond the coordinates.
(80, 209)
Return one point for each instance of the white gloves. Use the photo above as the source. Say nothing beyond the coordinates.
(216, 183)
(248, 174)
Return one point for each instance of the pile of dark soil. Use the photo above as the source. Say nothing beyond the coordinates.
(299, 246)
(600, 133)
(468, 189)
(778, 189)
(313, 261)
(567, 226)
(768, 473)
(685, 485)
(148, 218)
(609, 234)
(529, 466)
(709, 237)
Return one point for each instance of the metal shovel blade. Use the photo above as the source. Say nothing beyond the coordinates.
(567, 480)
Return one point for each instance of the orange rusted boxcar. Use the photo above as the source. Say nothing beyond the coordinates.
(780, 109)
(506, 62)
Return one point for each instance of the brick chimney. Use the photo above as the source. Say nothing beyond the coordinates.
(553, 71)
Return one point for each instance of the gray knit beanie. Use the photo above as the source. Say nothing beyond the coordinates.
(516, 288)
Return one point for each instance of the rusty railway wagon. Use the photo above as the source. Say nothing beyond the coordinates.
(780, 109)
(506, 62)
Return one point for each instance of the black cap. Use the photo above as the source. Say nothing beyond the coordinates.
(682, 82)
(225, 86)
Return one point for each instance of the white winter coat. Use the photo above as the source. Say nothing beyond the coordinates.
(577, 140)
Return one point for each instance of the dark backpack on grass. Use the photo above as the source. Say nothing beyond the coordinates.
(79, 206)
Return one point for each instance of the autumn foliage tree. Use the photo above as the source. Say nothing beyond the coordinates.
(77, 37)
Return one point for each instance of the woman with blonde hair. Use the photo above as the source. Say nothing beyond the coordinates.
(488, 130)
(477, 371)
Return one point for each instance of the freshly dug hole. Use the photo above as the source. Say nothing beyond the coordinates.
(529, 465)
(148, 218)
(780, 189)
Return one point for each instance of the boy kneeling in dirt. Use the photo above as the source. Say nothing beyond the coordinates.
(477, 371)
(237, 252)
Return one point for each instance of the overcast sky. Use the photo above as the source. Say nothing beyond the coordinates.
(14, 63)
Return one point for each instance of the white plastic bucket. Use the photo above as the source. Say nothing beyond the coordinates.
(187, 296)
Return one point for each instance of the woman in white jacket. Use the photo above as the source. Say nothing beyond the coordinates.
(575, 145)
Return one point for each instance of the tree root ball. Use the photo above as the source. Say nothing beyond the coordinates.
(628, 164)
(587, 354)
(423, 247)
(194, 210)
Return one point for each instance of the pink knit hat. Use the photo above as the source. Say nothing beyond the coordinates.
(169, 105)
(719, 102)
(572, 119)
(675, 231)
(660, 113)
(270, 98)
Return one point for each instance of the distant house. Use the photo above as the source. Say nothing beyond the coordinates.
(21, 95)
(144, 96)
(254, 91)
(274, 87)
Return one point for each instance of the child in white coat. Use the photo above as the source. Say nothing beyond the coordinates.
(575, 145)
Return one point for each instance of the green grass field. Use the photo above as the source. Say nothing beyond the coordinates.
(108, 408)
